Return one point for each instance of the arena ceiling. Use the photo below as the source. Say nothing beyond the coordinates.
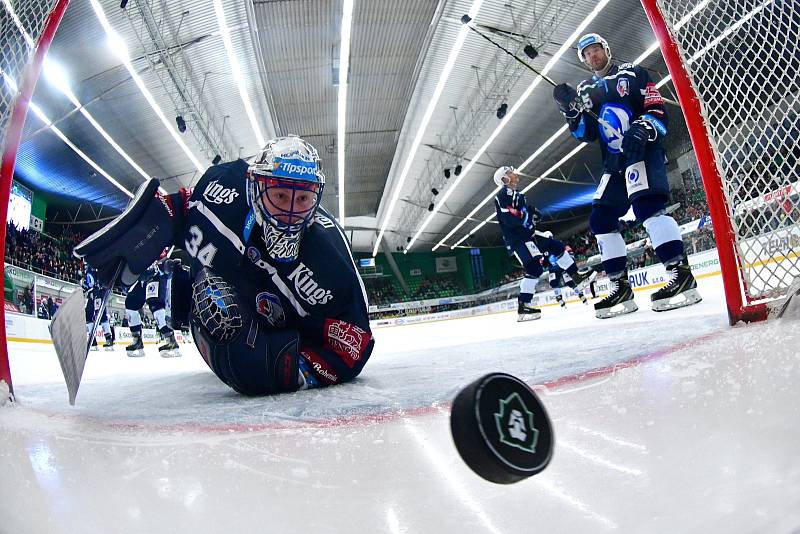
(288, 53)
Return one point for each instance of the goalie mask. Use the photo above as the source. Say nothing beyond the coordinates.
(284, 188)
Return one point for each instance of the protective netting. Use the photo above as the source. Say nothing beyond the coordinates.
(743, 60)
(21, 25)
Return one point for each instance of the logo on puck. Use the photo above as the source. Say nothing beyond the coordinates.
(515, 424)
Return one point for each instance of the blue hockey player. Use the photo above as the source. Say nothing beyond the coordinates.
(632, 123)
(518, 224)
(559, 278)
(94, 292)
(274, 298)
(151, 288)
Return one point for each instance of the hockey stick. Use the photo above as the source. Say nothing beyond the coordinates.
(466, 19)
(69, 335)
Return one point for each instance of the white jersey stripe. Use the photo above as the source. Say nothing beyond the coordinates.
(234, 239)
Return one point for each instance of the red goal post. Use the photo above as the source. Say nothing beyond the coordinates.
(28, 28)
(736, 69)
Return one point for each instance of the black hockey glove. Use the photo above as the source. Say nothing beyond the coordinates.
(636, 138)
(566, 98)
(137, 236)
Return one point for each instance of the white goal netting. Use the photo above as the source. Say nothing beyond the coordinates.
(21, 25)
(743, 60)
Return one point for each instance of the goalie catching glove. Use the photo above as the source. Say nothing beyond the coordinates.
(136, 237)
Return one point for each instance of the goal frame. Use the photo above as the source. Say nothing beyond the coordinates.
(721, 213)
(11, 143)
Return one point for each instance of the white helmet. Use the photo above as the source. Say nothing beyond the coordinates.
(590, 39)
(289, 167)
(500, 173)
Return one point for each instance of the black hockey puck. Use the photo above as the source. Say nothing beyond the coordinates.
(465, 19)
(501, 429)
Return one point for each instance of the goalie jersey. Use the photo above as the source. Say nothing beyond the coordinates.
(320, 294)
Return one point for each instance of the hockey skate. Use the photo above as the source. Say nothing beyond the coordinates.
(526, 312)
(169, 349)
(583, 297)
(561, 301)
(135, 349)
(618, 302)
(109, 344)
(94, 345)
(680, 291)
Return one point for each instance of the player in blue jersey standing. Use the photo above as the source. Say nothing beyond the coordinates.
(273, 296)
(518, 225)
(632, 123)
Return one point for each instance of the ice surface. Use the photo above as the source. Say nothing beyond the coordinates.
(664, 422)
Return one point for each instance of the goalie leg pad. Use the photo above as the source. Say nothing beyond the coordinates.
(248, 356)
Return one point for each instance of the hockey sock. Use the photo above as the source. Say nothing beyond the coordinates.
(665, 235)
(527, 287)
(161, 318)
(106, 328)
(566, 262)
(134, 319)
(612, 253)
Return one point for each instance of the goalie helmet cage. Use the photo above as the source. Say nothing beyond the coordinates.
(735, 68)
(27, 30)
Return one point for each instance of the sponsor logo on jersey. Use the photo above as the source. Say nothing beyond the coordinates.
(167, 204)
(622, 86)
(217, 194)
(346, 339)
(294, 168)
(269, 306)
(307, 288)
(651, 96)
(633, 176)
(320, 367)
(253, 254)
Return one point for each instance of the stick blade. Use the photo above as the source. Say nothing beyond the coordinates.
(68, 333)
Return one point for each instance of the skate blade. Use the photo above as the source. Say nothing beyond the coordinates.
(688, 298)
(170, 353)
(136, 353)
(525, 317)
(624, 308)
(108, 349)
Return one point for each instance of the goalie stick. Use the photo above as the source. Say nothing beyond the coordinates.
(70, 337)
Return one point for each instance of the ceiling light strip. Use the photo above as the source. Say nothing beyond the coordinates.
(39, 113)
(437, 93)
(119, 48)
(567, 45)
(58, 78)
(344, 69)
(530, 186)
(238, 77)
(494, 192)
